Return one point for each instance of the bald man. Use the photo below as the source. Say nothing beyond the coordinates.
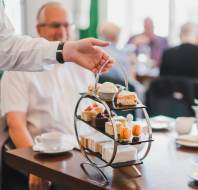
(35, 103)
(53, 22)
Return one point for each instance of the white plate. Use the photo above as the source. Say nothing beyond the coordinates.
(159, 126)
(187, 140)
(161, 122)
(39, 148)
(194, 176)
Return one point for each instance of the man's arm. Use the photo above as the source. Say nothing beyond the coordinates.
(24, 53)
(21, 138)
(18, 131)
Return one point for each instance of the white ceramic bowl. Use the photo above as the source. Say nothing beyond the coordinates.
(183, 125)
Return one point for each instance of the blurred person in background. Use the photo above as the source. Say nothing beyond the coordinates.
(110, 31)
(182, 60)
(39, 102)
(149, 43)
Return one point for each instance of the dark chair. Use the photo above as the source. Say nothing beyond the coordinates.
(171, 96)
(10, 179)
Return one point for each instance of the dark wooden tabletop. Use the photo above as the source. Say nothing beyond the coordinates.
(165, 168)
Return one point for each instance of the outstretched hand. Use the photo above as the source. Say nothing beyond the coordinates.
(88, 54)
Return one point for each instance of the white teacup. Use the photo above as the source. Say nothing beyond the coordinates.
(51, 140)
(183, 125)
(194, 170)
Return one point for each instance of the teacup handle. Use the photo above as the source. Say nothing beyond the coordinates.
(38, 139)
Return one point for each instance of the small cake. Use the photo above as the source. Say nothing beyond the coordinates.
(129, 118)
(98, 108)
(124, 153)
(120, 119)
(107, 90)
(84, 139)
(109, 128)
(136, 130)
(89, 113)
(100, 121)
(94, 140)
(127, 98)
(125, 134)
(103, 146)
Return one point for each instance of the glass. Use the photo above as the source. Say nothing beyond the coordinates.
(56, 25)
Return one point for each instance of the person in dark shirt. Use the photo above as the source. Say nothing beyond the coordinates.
(182, 60)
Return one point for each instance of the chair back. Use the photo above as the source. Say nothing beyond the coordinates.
(171, 96)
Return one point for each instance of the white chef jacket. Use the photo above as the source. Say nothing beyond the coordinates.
(48, 97)
(22, 52)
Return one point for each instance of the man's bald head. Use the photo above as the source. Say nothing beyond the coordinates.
(53, 22)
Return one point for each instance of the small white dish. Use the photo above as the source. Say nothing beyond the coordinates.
(193, 172)
(159, 126)
(161, 122)
(194, 176)
(187, 140)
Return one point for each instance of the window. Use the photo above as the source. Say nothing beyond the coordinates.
(14, 11)
(185, 11)
(168, 16)
(130, 14)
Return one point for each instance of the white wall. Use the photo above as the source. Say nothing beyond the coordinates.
(31, 8)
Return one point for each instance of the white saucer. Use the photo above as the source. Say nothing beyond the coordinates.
(187, 140)
(41, 149)
(161, 122)
(194, 176)
(159, 126)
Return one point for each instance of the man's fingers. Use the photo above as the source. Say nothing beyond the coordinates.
(96, 42)
(106, 57)
(105, 69)
(95, 70)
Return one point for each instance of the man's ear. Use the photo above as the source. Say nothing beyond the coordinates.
(38, 29)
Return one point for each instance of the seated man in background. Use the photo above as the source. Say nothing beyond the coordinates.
(149, 43)
(182, 60)
(109, 31)
(35, 103)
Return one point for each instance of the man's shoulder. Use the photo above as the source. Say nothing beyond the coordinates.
(171, 50)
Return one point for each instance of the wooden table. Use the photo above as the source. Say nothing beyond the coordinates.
(165, 168)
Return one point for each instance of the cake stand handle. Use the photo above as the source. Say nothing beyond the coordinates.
(122, 69)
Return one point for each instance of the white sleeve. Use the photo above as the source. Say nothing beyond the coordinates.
(22, 52)
(14, 92)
